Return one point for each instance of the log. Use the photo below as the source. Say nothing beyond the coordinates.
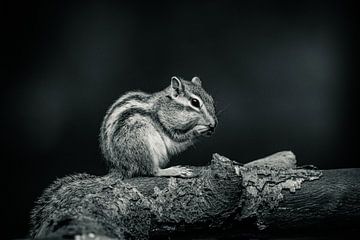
(265, 195)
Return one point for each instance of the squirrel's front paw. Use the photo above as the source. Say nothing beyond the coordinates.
(183, 172)
(176, 171)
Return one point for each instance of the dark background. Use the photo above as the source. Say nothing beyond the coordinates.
(283, 72)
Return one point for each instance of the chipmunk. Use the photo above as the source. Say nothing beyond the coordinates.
(140, 131)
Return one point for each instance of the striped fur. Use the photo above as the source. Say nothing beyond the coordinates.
(140, 131)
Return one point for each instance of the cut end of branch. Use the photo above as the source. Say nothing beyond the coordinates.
(280, 160)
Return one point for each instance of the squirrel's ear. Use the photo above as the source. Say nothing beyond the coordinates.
(176, 86)
(196, 81)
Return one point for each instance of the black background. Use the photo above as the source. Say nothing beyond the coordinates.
(282, 71)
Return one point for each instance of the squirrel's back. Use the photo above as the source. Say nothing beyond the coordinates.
(125, 117)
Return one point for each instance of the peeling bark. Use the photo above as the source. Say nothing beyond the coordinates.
(266, 193)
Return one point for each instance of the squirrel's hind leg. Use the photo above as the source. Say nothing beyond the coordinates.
(176, 171)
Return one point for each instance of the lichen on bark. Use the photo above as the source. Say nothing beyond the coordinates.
(265, 179)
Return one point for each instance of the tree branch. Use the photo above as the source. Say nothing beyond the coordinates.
(269, 193)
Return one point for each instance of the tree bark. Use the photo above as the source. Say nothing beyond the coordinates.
(263, 195)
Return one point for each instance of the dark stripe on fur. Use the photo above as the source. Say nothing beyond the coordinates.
(182, 107)
(155, 119)
(103, 133)
(141, 98)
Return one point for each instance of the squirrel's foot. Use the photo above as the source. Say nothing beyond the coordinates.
(176, 171)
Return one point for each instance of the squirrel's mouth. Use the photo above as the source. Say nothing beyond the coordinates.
(205, 130)
(210, 132)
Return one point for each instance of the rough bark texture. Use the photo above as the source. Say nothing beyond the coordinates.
(326, 203)
(268, 193)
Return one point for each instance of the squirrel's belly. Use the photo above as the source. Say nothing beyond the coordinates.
(175, 147)
(157, 148)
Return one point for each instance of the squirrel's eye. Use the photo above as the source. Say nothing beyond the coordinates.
(195, 102)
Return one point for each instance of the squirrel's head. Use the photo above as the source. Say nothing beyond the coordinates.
(188, 107)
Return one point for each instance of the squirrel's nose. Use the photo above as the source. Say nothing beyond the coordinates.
(213, 125)
(212, 128)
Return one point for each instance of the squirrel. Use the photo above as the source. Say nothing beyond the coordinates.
(140, 131)
(139, 134)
